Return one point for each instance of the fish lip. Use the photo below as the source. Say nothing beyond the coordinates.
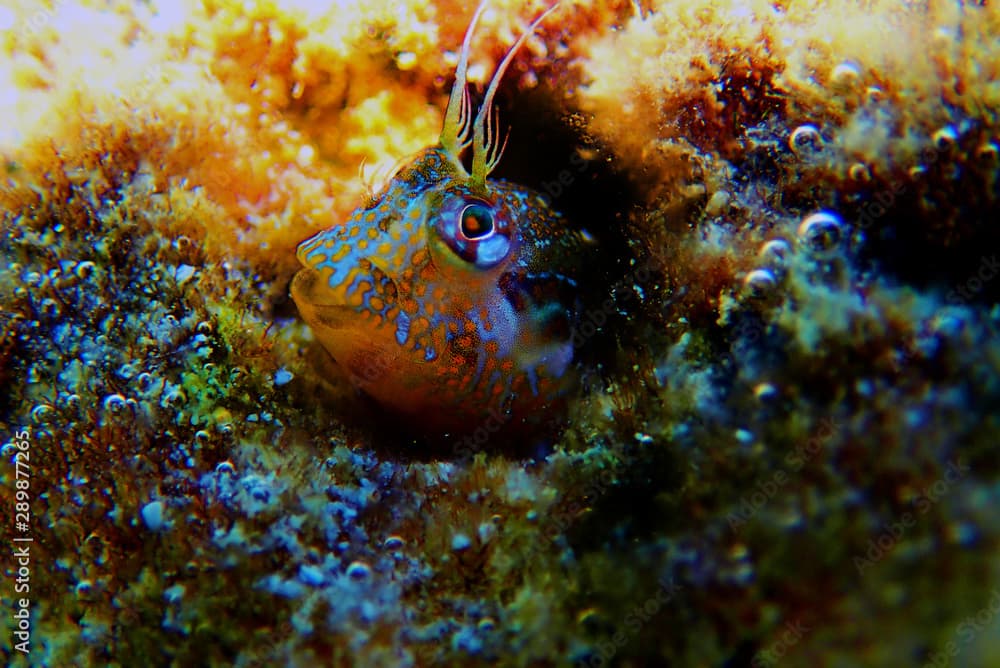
(303, 290)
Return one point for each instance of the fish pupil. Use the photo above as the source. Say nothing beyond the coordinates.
(477, 221)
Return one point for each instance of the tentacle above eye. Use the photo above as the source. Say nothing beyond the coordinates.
(455, 132)
(486, 152)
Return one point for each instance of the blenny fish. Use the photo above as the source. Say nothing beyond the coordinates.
(450, 297)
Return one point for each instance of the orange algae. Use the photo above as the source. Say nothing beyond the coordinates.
(688, 71)
(269, 108)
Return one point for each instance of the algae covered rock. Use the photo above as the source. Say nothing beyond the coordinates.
(784, 446)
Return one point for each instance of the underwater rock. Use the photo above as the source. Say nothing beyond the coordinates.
(787, 418)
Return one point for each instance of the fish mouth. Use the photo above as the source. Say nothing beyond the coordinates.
(314, 301)
(350, 341)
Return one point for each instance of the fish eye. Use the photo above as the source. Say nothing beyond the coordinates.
(476, 221)
(476, 230)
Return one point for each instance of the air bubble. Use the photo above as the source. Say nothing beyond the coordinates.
(358, 570)
(204, 327)
(806, 140)
(94, 544)
(945, 138)
(49, 309)
(987, 153)
(85, 270)
(774, 253)
(845, 75)
(173, 397)
(765, 391)
(759, 283)
(859, 173)
(225, 468)
(84, 588)
(393, 543)
(41, 413)
(144, 382)
(821, 233)
(114, 404)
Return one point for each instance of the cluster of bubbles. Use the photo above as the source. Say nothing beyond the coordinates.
(819, 235)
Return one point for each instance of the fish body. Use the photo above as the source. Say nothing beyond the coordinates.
(449, 297)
